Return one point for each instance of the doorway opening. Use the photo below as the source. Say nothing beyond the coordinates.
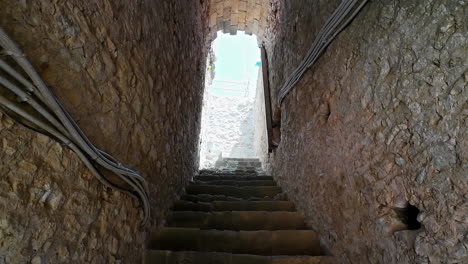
(228, 115)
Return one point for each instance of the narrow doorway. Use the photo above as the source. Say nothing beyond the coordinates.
(228, 123)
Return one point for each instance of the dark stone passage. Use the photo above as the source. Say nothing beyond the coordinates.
(379, 122)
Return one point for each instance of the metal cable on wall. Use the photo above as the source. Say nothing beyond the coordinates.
(30, 102)
(341, 17)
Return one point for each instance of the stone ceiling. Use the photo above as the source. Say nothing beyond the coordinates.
(230, 16)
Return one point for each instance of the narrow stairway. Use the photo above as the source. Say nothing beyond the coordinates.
(235, 217)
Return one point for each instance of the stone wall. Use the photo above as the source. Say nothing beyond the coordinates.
(260, 129)
(227, 128)
(131, 74)
(230, 16)
(381, 120)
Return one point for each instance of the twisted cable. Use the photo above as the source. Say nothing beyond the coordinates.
(39, 107)
(336, 23)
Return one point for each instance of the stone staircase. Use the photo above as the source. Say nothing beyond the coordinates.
(239, 165)
(234, 218)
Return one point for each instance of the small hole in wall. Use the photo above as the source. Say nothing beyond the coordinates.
(408, 216)
(412, 215)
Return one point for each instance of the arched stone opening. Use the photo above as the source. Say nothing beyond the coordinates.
(254, 17)
(229, 16)
(228, 116)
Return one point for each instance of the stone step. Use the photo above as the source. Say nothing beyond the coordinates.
(267, 243)
(236, 183)
(270, 206)
(231, 177)
(242, 220)
(210, 198)
(223, 171)
(235, 176)
(240, 170)
(182, 205)
(242, 159)
(253, 206)
(250, 163)
(231, 172)
(227, 171)
(192, 257)
(246, 168)
(233, 191)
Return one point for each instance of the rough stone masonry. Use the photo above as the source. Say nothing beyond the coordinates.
(380, 121)
(131, 74)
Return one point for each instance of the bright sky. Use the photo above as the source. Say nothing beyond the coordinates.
(237, 60)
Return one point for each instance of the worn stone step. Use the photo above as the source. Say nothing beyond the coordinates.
(241, 220)
(229, 172)
(270, 206)
(267, 243)
(242, 159)
(183, 205)
(226, 171)
(246, 168)
(249, 163)
(221, 177)
(210, 198)
(253, 206)
(193, 257)
(241, 192)
(233, 174)
(236, 183)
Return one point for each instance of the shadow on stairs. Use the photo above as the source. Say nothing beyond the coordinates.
(234, 217)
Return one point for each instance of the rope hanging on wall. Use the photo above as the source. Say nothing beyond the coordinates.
(341, 17)
(37, 108)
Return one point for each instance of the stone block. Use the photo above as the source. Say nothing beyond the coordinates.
(241, 26)
(248, 28)
(226, 27)
(227, 13)
(250, 16)
(235, 6)
(255, 26)
(242, 17)
(220, 23)
(234, 18)
(260, 31)
(242, 6)
(262, 20)
(264, 10)
(214, 29)
(233, 30)
(257, 12)
(260, 38)
(220, 8)
(213, 18)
